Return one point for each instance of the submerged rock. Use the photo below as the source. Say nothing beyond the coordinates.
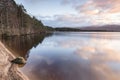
(19, 60)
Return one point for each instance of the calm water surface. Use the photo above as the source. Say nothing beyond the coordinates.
(69, 56)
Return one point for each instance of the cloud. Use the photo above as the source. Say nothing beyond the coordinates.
(95, 5)
(111, 6)
(89, 12)
(67, 20)
(98, 11)
(86, 12)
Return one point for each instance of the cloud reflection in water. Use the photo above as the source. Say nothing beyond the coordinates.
(73, 57)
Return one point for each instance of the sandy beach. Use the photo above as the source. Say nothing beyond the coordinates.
(9, 71)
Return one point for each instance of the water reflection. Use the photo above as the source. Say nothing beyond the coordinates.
(20, 45)
(75, 56)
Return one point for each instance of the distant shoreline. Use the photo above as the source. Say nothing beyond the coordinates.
(105, 28)
(80, 30)
(85, 31)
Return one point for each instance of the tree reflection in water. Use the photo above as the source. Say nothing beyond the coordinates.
(20, 45)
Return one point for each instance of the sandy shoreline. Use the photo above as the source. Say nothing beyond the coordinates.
(9, 71)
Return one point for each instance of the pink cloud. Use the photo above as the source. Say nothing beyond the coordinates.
(98, 11)
(109, 6)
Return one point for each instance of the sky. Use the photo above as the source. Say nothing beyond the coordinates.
(74, 13)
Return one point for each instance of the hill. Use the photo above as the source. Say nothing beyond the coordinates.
(14, 20)
(102, 28)
(105, 28)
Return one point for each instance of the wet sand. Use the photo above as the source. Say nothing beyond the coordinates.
(9, 71)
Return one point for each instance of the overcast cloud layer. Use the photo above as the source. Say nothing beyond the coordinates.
(74, 13)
